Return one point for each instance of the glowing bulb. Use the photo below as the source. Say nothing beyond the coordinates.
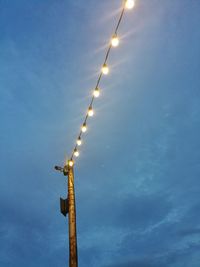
(115, 41)
(105, 69)
(96, 92)
(84, 128)
(129, 4)
(70, 163)
(79, 141)
(76, 153)
(90, 112)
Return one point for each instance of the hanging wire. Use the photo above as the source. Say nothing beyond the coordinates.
(99, 78)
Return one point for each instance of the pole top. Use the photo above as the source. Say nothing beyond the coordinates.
(65, 169)
(70, 163)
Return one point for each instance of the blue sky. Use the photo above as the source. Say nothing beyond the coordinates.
(137, 178)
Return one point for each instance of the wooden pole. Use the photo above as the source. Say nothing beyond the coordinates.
(73, 257)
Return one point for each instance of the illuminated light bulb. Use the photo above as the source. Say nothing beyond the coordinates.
(84, 128)
(76, 153)
(115, 40)
(79, 141)
(105, 69)
(96, 92)
(130, 4)
(71, 163)
(90, 112)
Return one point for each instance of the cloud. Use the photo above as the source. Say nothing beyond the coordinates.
(171, 258)
(128, 211)
(138, 263)
(188, 232)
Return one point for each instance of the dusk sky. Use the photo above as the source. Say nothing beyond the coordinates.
(137, 179)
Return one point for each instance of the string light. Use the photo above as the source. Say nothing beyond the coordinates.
(70, 163)
(84, 127)
(76, 153)
(114, 42)
(79, 141)
(105, 69)
(130, 4)
(90, 112)
(96, 92)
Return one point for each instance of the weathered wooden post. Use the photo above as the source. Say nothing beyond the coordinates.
(73, 258)
(68, 206)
